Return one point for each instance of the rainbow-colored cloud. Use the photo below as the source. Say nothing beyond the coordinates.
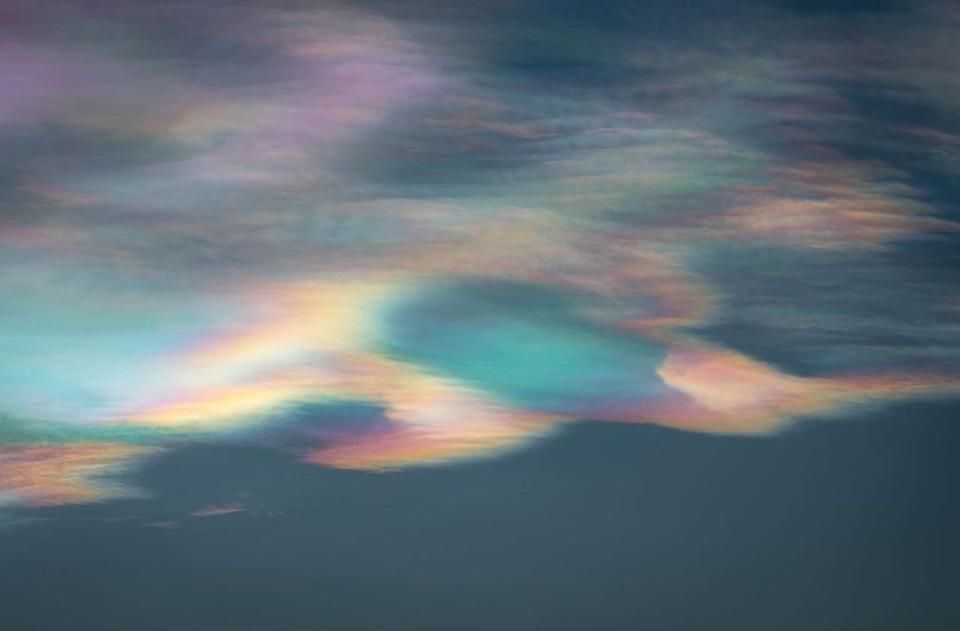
(230, 228)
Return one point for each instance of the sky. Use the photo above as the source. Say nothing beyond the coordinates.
(395, 268)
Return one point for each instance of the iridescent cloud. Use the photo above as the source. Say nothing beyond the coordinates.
(45, 475)
(229, 229)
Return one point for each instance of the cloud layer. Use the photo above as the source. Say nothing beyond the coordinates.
(384, 240)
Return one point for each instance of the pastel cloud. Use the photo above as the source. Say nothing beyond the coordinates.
(45, 475)
(353, 210)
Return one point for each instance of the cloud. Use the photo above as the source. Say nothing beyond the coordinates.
(215, 510)
(46, 475)
(228, 221)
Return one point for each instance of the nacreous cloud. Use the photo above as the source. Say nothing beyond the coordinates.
(229, 221)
